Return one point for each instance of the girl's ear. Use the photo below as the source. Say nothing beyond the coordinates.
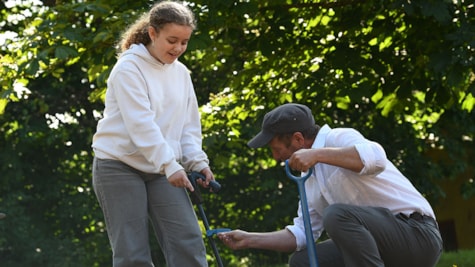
(152, 33)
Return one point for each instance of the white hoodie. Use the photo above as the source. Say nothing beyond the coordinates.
(151, 119)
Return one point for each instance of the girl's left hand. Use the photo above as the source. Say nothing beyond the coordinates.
(209, 177)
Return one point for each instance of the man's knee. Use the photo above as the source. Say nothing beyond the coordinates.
(328, 255)
(333, 215)
(299, 259)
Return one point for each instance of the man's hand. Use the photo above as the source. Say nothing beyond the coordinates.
(180, 179)
(302, 160)
(235, 239)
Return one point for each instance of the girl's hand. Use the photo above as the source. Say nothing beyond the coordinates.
(180, 179)
(208, 175)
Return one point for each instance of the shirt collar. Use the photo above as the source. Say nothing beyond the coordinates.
(321, 136)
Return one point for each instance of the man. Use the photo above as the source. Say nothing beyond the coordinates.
(372, 213)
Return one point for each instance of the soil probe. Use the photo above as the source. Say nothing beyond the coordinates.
(312, 252)
(198, 200)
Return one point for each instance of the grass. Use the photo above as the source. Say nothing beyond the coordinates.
(461, 258)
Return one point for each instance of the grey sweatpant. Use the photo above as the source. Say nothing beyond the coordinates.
(372, 236)
(129, 200)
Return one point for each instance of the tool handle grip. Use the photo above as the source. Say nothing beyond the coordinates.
(194, 176)
(293, 177)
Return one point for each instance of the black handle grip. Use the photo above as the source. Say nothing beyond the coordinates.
(194, 176)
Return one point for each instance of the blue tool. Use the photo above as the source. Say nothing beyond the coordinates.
(198, 200)
(212, 232)
(312, 252)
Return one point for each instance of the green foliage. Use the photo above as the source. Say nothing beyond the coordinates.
(401, 72)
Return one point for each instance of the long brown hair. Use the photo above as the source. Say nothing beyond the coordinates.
(159, 15)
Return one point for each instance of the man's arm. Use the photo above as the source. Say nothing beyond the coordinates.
(282, 240)
(344, 157)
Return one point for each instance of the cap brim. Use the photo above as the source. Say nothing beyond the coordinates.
(260, 140)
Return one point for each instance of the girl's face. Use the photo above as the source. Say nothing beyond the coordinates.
(169, 43)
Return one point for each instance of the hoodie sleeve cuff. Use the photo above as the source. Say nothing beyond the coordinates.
(172, 168)
(200, 166)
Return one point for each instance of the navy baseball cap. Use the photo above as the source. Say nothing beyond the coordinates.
(287, 118)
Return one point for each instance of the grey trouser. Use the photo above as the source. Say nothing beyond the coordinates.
(129, 200)
(370, 236)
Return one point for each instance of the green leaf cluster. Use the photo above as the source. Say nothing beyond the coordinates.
(401, 72)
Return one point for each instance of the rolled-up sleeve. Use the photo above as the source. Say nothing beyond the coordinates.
(371, 153)
(299, 236)
(298, 228)
(373, 157)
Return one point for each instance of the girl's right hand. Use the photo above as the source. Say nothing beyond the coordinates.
(180, 179)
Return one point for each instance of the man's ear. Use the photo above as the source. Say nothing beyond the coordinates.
(298, 137)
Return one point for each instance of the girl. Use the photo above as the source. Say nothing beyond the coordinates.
(149, 137)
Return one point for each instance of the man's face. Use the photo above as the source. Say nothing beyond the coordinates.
(283, 148)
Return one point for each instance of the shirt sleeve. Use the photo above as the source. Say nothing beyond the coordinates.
(373, 157)
(371, 153)
(298, 228)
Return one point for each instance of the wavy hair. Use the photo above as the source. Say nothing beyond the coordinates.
(159, 15)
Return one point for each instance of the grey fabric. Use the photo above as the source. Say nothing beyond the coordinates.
(327, 255)
(129, 200)
(372, 236)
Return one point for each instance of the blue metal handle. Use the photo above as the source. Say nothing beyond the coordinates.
(293, 177)
(312, 252)
(212, 232)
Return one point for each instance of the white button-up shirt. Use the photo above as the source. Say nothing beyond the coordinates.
(379, 184)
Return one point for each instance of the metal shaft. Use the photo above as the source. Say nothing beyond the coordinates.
(312, 251)
(210, 238)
